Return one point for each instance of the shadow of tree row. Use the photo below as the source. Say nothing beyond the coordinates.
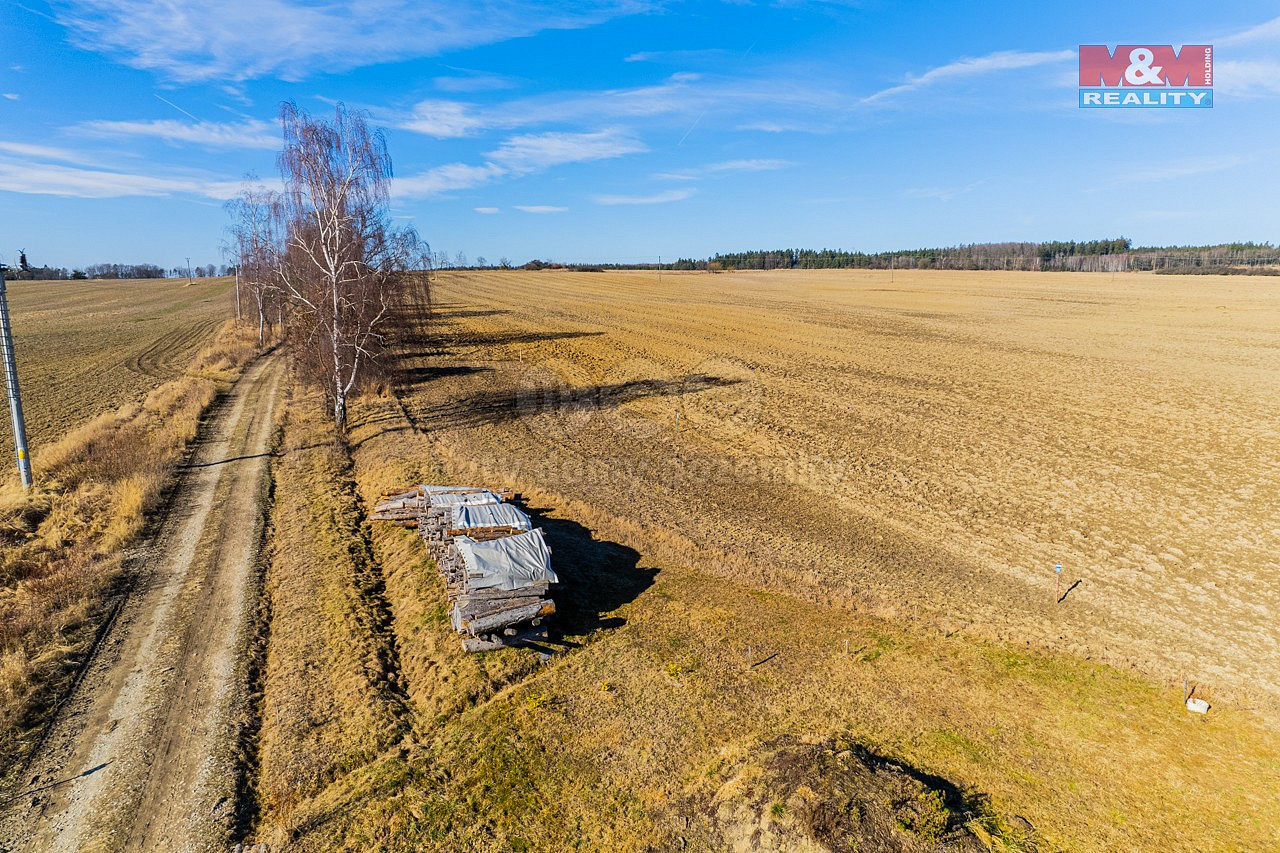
(500, 405)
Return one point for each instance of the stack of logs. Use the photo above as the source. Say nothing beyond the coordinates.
(496, 565)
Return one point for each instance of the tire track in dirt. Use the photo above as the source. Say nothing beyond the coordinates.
(169, 354)
(141, 757)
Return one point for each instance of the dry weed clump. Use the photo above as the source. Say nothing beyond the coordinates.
(64, 540)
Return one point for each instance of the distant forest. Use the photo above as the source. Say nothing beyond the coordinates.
(1117, 255)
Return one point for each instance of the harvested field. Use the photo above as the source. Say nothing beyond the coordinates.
(924, 445)
(86, 347)
(684, 710)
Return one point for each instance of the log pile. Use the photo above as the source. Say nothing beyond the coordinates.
(496, 565)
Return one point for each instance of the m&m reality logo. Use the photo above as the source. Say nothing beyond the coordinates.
(1146, 75)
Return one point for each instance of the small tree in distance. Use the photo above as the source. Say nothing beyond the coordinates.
(256, 244)
(351, 279)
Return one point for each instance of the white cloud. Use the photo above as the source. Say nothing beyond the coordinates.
(536, 151)
(726, 167)
(44, 152)
(540, 208)
(770, 126)
(51, 179)
(12, 96)
(1266, 31)
(193, 40)
(250, 133)
(443, 179)
(486, 210)
(1246, 78)
(1146, 174)
(941, 193)
(677, 55)
(657, 198)
(682, 97)
(518, 155)
(1006, 60)
(443, 119)
(475, 81)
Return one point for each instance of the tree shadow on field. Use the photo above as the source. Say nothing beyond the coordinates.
(456, 311)
(456, 341)
(501, 405)
(426, 373)
(597, 576)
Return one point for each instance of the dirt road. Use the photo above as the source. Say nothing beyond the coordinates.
(141, 757)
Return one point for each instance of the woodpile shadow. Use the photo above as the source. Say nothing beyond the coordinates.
(597, 577)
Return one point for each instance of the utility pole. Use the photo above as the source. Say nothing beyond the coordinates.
(11, 383)
(189, 279)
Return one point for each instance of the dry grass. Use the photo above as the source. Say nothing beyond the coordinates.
(331, 699)
(65, 541)
(85, 347)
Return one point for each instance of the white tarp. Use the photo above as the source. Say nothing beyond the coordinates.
(464, 498)
(436, 490)
(508, 563)
(490, 515)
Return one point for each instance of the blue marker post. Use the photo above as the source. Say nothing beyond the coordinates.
(1057, 589)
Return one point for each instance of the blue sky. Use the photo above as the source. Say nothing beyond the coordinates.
(626, 129)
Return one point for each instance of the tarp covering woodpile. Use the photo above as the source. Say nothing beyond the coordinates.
(477, 498)
(495, 563)
(488, 515)
(508, 563)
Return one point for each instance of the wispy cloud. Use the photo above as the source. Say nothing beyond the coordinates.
(1247, 78)
(678, 97)
(487, 210)
(724, 168)
(772, 126)
(193, 40)
(45, 152)
(1177, 170)
(657, 198)
(11, 96)
(669, 56)
(443, 119)
(475, 81)
(250, 133)
(941, 193)
(1268, 31)
(536, 151)
(519, 155)
(1006, 60)
(540, 208)
(443, 179)
(52, 179)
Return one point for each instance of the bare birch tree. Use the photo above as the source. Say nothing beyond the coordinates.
(257, 244)
(349, 276)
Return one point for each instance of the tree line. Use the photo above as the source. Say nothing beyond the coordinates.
(1109, 255)
(26, 271)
